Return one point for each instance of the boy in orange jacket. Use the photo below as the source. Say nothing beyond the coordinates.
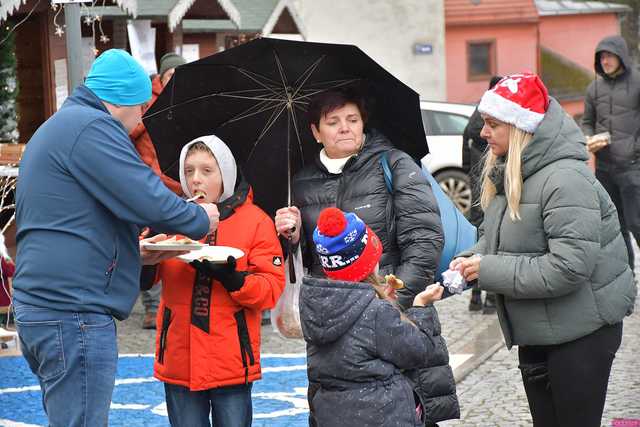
(208, 348)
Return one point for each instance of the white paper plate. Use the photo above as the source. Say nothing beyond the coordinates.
(172, 246)
(217, 254)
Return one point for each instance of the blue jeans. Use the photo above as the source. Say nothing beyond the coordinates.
(74, 356)
(229, 406)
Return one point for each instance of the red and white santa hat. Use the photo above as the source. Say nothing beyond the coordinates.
(518, 99)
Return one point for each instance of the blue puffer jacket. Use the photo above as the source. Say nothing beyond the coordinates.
(82, 196)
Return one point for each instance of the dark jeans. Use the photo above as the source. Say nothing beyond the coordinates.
(624, 190)
(229, 406)
(566, 384)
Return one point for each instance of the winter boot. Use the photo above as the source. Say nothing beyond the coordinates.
(149, 321)
(476, 299)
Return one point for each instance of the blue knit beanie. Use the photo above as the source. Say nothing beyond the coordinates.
(117, 78)
(346, 247)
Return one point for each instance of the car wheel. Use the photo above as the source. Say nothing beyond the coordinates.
(457, 186)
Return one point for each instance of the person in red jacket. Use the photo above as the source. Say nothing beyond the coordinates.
(208, 350)
(7, 269)
(140, 136)
(146, 149)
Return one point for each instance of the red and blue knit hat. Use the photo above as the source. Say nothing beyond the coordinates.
(348, 249)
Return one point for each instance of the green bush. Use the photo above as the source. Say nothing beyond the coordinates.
(8, 86)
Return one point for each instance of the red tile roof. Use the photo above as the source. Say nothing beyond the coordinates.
(465, 12)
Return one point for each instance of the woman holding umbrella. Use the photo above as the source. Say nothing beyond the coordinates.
(347, 173)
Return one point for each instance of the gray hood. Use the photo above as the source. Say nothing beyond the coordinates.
(615, 45)
(557, 137)
(226, 163)
(329, 308)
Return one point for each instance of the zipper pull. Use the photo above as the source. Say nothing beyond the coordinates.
(111, 267)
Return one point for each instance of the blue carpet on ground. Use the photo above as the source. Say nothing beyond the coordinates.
(279, 399)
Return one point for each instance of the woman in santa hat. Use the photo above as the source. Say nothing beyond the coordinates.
(552, 251)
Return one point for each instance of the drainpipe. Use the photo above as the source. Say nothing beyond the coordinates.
(538, 50)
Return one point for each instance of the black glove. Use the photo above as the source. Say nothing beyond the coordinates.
(147, 276)
(226, 273)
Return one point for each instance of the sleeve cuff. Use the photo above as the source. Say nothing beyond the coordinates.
(497, 274)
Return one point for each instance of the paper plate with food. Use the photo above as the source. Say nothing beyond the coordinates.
(174, 244)
(215, 254)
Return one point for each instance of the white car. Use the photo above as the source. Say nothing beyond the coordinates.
(444, 124)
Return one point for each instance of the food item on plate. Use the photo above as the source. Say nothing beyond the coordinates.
(393, 281)
(198, 195)
(179, 241)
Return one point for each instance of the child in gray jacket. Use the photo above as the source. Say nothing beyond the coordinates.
(359, 344)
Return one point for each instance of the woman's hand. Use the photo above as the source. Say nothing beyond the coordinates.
(288, 223)
(469, 267)
(453, 265)
(429, 295)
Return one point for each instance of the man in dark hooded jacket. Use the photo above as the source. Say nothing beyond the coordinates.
(612, 105)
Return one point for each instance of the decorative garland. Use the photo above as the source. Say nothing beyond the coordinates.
(89, 20)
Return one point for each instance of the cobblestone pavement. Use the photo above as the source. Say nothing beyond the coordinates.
(493, 395)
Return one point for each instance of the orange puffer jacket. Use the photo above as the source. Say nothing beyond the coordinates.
(229, 352)
(144, 145)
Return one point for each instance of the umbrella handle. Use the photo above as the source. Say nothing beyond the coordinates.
(292, 269)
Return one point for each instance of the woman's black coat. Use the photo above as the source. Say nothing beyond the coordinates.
(407, 221)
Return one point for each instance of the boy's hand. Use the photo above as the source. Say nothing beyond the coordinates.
(226, 273)
(429, 295)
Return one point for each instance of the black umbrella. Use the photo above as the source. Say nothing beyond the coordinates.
(255, 97)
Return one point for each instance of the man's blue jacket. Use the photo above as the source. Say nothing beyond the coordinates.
(82, 196)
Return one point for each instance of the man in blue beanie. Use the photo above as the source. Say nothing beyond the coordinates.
(83, 196)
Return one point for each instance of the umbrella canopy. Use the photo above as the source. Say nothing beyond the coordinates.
(255, 98)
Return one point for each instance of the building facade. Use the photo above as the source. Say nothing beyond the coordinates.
(555, 39)
(406, 37)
